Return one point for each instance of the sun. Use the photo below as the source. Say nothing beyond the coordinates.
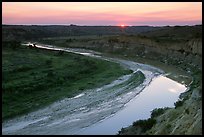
(122, 25)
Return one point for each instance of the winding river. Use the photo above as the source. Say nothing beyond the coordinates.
(103, 110)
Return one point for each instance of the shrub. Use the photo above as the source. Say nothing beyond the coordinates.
(168, 126)
(121, 131)
(158, 111)
(178, 103)
(145, 124)
(187, 111)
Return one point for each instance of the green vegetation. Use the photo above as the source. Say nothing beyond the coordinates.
(121, 131)
(158, 111)
(168, 126)
(12, 44)
(187, 111)
(145, 124)
(178, 103)
(33, 78)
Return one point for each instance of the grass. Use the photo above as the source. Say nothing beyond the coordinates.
(33, 78)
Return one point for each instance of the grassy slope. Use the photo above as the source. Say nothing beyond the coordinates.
(34, 78)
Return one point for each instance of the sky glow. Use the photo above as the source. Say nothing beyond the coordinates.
(102, 13)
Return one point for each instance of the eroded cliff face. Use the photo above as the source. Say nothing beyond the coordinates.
(187, 50)
(195, 46)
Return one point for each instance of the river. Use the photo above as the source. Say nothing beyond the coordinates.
(99, 111)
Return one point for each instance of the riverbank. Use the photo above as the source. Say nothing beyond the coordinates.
(34, 78)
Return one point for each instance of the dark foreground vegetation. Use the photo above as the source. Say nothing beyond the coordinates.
(33, 78)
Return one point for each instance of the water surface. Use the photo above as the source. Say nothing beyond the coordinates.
(162, 92)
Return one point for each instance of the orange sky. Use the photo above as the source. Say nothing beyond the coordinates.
(102, 13)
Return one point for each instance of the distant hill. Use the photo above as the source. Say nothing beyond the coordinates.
(176, 32)
(34, 32)
(24, 32)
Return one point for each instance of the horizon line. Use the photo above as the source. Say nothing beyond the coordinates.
(95, 25)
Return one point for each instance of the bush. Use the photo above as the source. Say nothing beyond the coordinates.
(168, 126)
(178, 103)
(145, 124)
(187, 111)
(158, 111)
(121, 131)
